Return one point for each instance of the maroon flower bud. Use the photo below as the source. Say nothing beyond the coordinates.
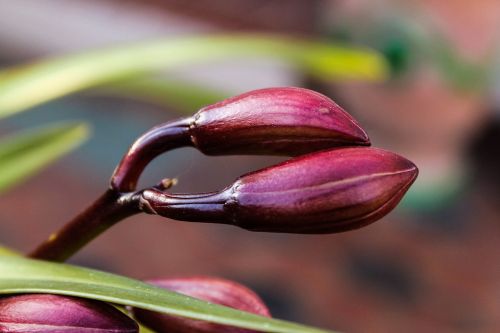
(284, 121)
(323, 192)
(214, 290)
(277, 121)
(42, 313)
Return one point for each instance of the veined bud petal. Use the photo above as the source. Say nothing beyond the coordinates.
(214, 290)
(323, 192)
(283, 121)
(43, 313)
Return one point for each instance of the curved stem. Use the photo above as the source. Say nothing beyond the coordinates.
(154, 142)
(108, 209)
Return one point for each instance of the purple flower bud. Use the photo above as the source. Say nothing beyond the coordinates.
(214, 290)
(276, 121)
(284, 121)
(42, 313)
(323, 192)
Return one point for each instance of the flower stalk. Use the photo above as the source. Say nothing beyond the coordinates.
(107, 210)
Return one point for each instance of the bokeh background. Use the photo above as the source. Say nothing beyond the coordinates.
(430, 266)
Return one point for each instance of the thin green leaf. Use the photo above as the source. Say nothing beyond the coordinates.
(21, 155)
(182, 96)
(31, 85)
(21, 275)
(144, 329)
(4, 251)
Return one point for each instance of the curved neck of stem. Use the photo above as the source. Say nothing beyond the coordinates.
(156, 141)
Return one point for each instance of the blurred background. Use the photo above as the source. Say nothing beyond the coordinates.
(430, 266)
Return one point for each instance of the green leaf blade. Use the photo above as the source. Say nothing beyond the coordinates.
(5, 251)
(22, 155)
(183, 96)
(26, 86)
(21, 275)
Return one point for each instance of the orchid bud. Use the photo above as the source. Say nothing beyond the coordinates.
(280, 121)
(275, 121)
(213, 290)
(43, 313)
(323, 192)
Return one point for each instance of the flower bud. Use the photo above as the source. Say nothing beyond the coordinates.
(42, 313)
(275, 121)
(323, 192)
(214, 290)
(280, 121)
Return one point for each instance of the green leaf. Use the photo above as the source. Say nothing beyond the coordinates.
(26, 86)
(21, 155)
(21, 275)
(4, 251)
(182, 96)
(144, 329)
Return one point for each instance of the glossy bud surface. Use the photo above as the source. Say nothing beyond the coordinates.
(214, 290)
(43, 313)
(323, 192)
(279, 121)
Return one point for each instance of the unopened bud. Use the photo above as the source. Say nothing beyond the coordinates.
(213, 290)
(275, 121)
(285, 121)
(323, 192)
(43, 313)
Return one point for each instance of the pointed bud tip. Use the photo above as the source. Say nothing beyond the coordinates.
(362, 137)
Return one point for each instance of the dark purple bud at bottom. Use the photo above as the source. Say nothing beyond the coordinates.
(284, 121)
(323, 192)
(214, 290)
(43, 313)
